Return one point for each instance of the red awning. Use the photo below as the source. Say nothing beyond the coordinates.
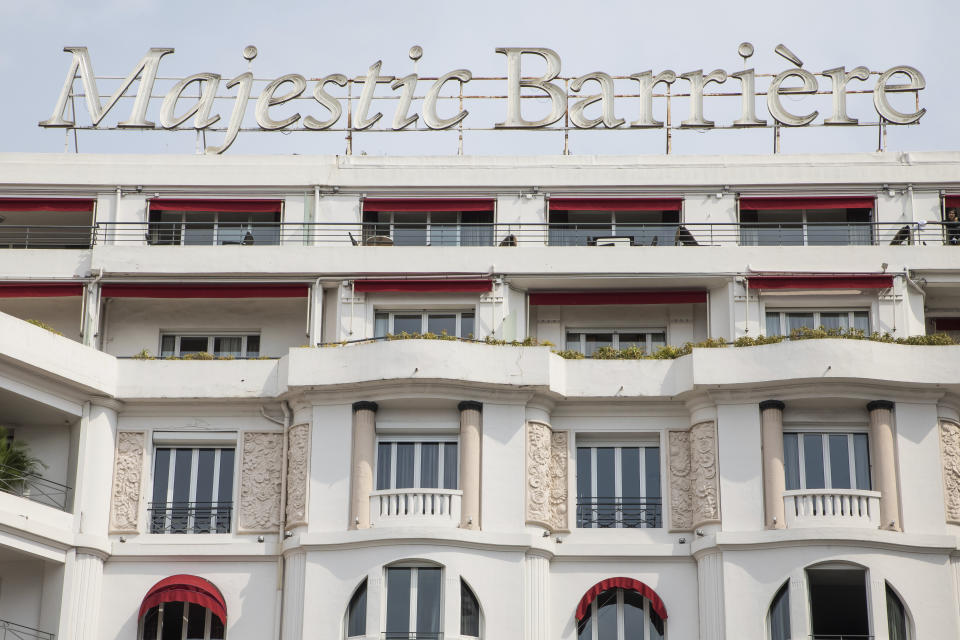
(624, 583)
(832, 281)
(951, 201)
(46, 204)
(434, 285)
(616, 204)
(186, 588)
(556, 298)
(220, 206)
(40, 289)
(829, 202)
(207, 290)
(428, 204)
(947, 324)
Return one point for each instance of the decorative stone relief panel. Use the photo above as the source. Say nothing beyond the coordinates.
(261, 459)
(547, 462)
(694, 485)
(950, 455)
(127, 480)
(298, 473)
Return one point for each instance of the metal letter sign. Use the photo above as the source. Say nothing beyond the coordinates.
(213, 100)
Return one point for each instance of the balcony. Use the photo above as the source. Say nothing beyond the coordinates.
(13, 631)
(832, 508)
(620, 513)
(34, 487)
(190, 517)
(413, 507)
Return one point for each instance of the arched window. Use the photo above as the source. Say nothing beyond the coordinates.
(779, 617)
(620, 609)
(896, 616)
(183, 607)
(356, 623)
(469, 612)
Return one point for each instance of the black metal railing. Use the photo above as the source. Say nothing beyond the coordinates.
(619, 513)
(13, 631)
(46, 237)
(414, 635)
(34, 487)
(842, 636)
(190, 517)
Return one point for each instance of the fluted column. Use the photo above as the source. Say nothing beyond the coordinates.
(82, 586)
(774, 480)
(361, 470)
(885, 463)
(710, 590)
(536, 597)
(294, 578)
(471, 414)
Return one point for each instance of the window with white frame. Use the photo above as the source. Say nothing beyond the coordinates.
(789, 227)
(620, 614)
(221, 345)
(414, 603)
(452, 323)
(417, 463)
(587, 341)
(619, 486)
(430, 228)
(584, 228)
(213, 228)
(181, 621)
(356, 622)
(826, 460)
(192, 489)
(781, 323)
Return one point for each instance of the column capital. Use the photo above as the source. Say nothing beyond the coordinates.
(468, 405)
(772, 404)
(880, 404)
(365, 405)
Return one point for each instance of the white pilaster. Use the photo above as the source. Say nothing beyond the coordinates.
(293, 588)
(710, 583)
(536, 595)
(82, 586)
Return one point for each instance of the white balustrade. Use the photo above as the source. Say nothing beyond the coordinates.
(406, 507)
(832, 508)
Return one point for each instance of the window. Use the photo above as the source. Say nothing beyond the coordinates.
(781, 323)
(826, 461)
(896, 616)
(426, 228)
(620, 614)
(585, 227)
(357, 612)
(192, 490)
(414, 603)
(783, 227)
(221, 346)
(587, 341)
(451, 323)
(779, 618)
(181, 621)
(469, 612)
(213, 228)
(417, 465)
(838, 602)
(618, 486)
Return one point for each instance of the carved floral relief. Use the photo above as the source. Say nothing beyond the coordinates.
(127, 480)
(261, 461)
(547, 462)
(298, 471)
(681, 498)
(694, 485)
(950, 453)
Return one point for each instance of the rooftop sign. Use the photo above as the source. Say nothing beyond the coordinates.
(568, 98)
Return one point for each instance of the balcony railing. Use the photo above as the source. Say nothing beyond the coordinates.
(398, 507)
(832, 508)
(13, 631)
(415, 635)
(34, 487)
(515, 234)
(619, 513)
(190, 517)
(842, 636)
(46, 237)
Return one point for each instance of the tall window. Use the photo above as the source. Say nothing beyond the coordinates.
(587, 341)
(192, 490)
(414, 603)
(426, 228)
(222, 346)
(826, 461)
(781, 323)
(582, 228)
(620, 614)
(779, 617)
(181, 621)
(838, 602)
(469, 612)
(451, 323)
(213, 228)
(417, 465)
(896, 616)
(356, 623)
(781, 227)
(619, 486)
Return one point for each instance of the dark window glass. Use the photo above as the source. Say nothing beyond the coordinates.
(193, 344)
(584, 491)
(607, 615)
(450, 462)
(467, 325)
(151, 622)
(428, 601)
(839, 462)
(780, 615)
(652, 468)
(172, 621)
(469, 612)
(216, 628)
(196, 622)
(405, 461)
(791, 461)
(203, 513)
(407, 323)
(596, 340)
(442, 324)
(168, 346)
(633, 619)
(253, 346)
(861, 456)
(813, 460)
(606, 487)
(430, 465)
(225, 490)
(773, 323)
(357, 612)
(410, 229)
(383, 465)
(398, 603)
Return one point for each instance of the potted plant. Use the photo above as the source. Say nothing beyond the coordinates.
(16, 463)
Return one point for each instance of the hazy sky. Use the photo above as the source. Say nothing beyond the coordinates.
(320, 38)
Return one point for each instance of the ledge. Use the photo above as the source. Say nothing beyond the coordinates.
(824, 536)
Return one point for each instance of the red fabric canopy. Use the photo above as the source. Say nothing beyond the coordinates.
(624, 583)
(832, 281)
(951, 201)
(39, 289)
(428, 204)
(231, 290)
(616, 204)
(186, 588)
(434, 285)
(46, 204)
(555, 298)
(224, 206)
(827, 202)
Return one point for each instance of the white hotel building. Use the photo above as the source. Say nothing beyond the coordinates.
(314, 481)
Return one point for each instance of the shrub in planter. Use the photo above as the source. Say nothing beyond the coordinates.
(16, 462)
